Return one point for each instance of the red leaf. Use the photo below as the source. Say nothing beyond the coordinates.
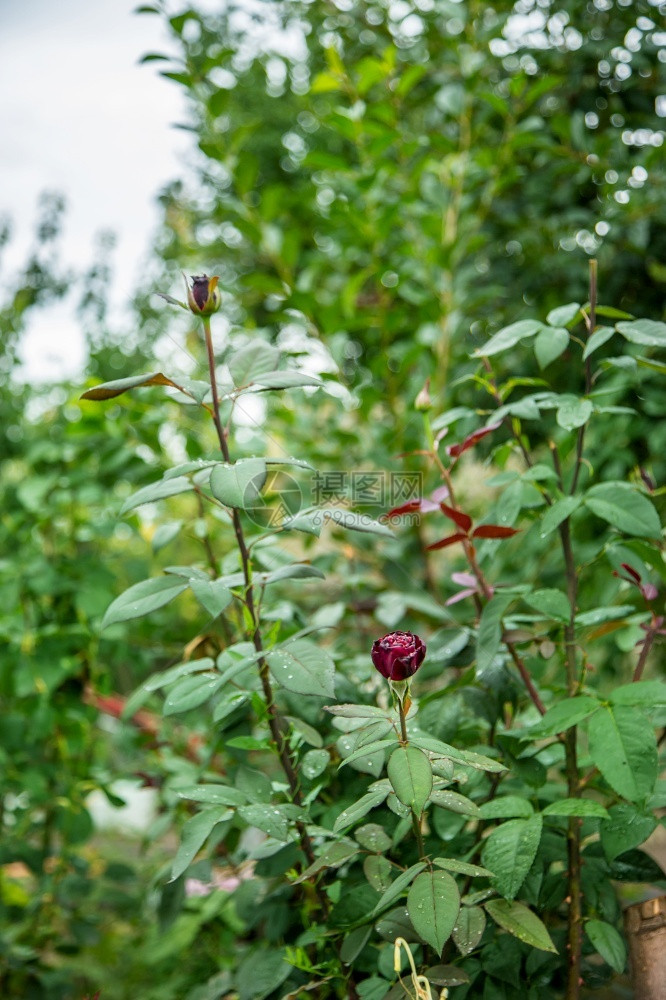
(463, 520)
(449, 540)
(494, 531)
(422, 504)
(455, 450)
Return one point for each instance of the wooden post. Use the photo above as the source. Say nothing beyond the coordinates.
(645, 925)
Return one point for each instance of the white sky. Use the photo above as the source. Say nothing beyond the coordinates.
(80, 116)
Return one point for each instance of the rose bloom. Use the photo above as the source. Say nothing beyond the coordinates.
(398, 655)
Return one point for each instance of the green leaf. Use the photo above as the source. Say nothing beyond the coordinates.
(562, 716)
(256, 358)
(576, 807)
(509, 852)
(608, 942)
(521, 922)
(410, 774)
(304, 668)
(625, 828)
(558, 512)
(489, 635)
(377, 870)
(285, 380)
(269, 818)
(373, 837)
(467, 757)
(192, 692)
(649, 332)
(563, 315)
(109, 390)
(261, 973)
(506, 807)
(356, 522)
(332, 856)
(217, 795)
(599, 615)
(573, 412)
(625, 508)
(597, 340)
(295, 571)
(352, 814)
(396, 888)
(469, 928)
(238, 484)
(314, 763)
(622, 745)
(142, 598)
(454, 802)
(156, 491)
(433, 903)
(212, 595)
(644, 694)
(508, 336)
(550, 343)
(195, 833)
(462, 867)
(551, 603)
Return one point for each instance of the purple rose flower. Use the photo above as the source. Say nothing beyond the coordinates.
(398, 655)
(203, 296)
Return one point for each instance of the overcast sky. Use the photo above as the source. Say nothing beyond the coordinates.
(79, 115)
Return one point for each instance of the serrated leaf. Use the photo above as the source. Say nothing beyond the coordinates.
(558, 512)
(142, 598)
(410, 774)
(218, 795)
(156, 491)
(304, 668)
(518, 920)
(562, 716)
(454, 802)
(212, 595)
(626, 827)
(597, 339)
(377, 870)
(352, 814)
(506, 807)
(576, 807)
(509, 852)
(191, 692)
(194, 835)
(109, 390)
(645, 694)
(469, 928)
(549, 344)
(396, 888)
(573, 412)
(433, 903)
(563, 315)
(608, 942)
(462, 867)
(551, 603)
(269, 818)
(255, 359)
(239, 484)
(622, 744)
(295, 571)
(332, 856)
(508, 336)
(285, 380)
(648, 332)
(624, 508)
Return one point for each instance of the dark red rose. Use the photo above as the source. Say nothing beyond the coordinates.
(398, 655)
(203, 297)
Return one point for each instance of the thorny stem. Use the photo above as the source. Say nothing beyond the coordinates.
(404, 740)
(275, 722)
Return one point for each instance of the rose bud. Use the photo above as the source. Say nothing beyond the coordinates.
(423, 400)
(203, 296)
(398, 655)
